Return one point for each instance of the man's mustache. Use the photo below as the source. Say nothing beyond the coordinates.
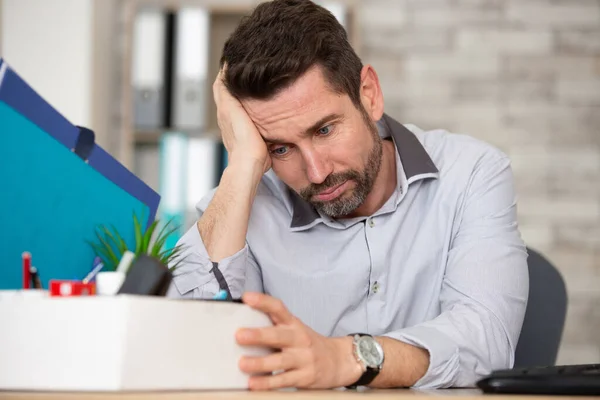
(329, 182)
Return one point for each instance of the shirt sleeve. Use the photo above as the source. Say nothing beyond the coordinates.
(198, 277)
(485, 287)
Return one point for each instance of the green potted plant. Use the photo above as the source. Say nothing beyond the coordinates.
(110, 245)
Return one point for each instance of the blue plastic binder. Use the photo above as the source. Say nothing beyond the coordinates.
(56, 187)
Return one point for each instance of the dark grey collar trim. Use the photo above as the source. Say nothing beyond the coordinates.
(304, 212)
(414, 157)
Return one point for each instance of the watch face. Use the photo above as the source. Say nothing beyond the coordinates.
(370, 351)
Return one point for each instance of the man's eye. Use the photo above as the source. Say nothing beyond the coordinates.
(279, 151)
(326, 130)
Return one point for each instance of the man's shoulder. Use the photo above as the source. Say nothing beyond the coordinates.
(452, 151)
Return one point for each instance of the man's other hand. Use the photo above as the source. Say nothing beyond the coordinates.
(306, 359)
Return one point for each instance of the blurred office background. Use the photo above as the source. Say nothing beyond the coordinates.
(523, 75)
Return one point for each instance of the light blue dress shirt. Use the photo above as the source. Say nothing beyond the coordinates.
(441, 265)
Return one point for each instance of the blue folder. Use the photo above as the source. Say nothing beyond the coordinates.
(57, 188)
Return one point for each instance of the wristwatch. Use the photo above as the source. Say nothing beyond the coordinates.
(369, 354)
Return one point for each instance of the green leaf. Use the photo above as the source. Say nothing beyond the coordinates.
(177, 257)
(160, 241)
(138, 234)
(111, 245)
(107, 260)
(161, 238)
(98, 252)
(106, 255)
(180, 260)
(168, 255)
(165, 257)
(109, 251)
(148, 237)
(121, 245)
(112, 241)
(162, 230)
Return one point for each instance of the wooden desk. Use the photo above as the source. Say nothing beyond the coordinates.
(454, 394)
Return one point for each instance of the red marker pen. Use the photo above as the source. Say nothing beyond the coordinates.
(26, 269)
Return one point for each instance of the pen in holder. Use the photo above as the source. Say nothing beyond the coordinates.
(36, 283)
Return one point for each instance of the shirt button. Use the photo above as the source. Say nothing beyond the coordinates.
(371, 222)
(375, 287)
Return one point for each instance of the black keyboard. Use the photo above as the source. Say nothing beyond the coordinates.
(560, 380)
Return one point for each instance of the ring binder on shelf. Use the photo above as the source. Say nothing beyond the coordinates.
(148, 69)
(191, 69)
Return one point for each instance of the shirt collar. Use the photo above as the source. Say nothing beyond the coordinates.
(415, 161)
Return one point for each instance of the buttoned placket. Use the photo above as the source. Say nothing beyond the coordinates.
(375, 269)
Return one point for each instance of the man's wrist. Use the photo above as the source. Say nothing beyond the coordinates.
(349, 368)
(246, 164)
(243, 172)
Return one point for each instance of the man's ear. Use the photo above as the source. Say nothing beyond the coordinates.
(371, 95)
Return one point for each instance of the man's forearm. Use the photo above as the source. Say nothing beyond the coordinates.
(224, 224)
(403, 366)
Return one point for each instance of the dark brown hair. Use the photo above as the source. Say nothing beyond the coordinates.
(280, 41)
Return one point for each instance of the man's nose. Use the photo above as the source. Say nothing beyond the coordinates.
(317, 166)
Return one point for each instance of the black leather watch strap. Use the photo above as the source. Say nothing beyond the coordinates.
(367, 377)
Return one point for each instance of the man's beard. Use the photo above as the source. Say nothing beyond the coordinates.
(363, 181)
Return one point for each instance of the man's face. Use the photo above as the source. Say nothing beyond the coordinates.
(321, 145)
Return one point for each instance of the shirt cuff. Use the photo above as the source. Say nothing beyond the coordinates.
(194, 271)
(443, 355)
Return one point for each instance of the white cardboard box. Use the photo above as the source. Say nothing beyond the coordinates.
(122, 342)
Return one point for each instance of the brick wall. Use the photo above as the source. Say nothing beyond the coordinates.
(523, 75)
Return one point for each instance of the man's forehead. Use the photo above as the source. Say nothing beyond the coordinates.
(308, 95)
